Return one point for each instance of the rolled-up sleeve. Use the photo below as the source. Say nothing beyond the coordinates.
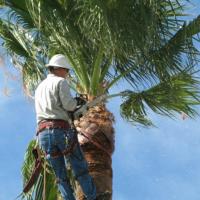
(66, 98)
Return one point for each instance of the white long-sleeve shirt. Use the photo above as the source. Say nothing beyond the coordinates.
(53, 99)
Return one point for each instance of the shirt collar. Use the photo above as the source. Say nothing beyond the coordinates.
(51, 75)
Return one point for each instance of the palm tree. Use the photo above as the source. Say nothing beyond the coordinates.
(147, 44)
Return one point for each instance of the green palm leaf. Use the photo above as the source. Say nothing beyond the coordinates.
(179, 94)
(37, 191)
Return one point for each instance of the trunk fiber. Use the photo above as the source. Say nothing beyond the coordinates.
(98, 146)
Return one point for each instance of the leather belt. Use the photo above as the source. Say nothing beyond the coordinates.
(51, 124)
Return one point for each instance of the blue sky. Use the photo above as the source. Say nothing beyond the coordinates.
(149, 164)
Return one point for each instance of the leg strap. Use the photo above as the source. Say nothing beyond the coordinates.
(56, 154)
(71, 148)
(58, 180)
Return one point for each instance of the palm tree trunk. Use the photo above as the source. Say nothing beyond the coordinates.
(98, 144)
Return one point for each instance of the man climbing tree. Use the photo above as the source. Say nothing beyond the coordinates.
(53, 101)
(146, 44)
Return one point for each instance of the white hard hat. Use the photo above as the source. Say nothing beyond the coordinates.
(58, 60)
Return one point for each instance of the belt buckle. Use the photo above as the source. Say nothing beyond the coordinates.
(50, 123)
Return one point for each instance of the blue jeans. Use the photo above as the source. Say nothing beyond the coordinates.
(57, 140)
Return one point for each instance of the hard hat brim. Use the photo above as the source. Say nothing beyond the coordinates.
(58, 66)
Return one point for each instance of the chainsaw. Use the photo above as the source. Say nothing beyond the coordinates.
(78, 113)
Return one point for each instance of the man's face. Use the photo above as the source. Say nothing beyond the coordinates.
(62, 72)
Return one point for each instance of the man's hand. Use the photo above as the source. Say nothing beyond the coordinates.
(80, 101)
(78, 113)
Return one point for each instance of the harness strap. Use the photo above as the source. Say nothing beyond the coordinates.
(44, 182)
(36, 172)
(66, 152)
(107, 151)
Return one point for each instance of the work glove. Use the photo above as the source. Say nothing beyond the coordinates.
(78, 113)
(80, 101)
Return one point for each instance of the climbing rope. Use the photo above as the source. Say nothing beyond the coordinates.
(44, 184)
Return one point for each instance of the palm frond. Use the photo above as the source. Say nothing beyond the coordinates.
(172, 53)
(23, 48)
(179, 94)
(96, 73)
(37, 191)
(17, 11)
(166, 60)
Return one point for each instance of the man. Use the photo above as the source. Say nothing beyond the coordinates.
(53, 101)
